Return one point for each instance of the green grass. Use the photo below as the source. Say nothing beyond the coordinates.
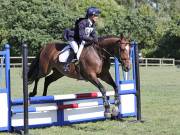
(160, 93)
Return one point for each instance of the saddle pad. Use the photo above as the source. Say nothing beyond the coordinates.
(64, 54)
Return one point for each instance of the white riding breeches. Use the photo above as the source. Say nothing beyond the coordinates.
(80, 49)
(77, 50)
(74, 46)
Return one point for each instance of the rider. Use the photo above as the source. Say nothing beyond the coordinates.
(84, 31)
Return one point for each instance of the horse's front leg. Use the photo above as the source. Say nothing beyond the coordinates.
(34, 92)
(94, 80)
(106, 76)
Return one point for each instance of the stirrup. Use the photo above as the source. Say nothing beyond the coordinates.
(66, 67)
(75, 61)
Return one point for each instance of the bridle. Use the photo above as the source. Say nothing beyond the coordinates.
(119, 50)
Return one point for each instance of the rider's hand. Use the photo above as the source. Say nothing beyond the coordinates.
(95, 40)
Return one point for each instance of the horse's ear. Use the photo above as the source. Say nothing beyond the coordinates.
(121, 36)
(129, 38)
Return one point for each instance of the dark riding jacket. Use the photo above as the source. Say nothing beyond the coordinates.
(85, 31)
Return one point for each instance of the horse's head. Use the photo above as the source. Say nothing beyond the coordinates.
(119, 47)
(124, 53)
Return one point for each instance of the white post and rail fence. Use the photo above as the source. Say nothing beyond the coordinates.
(17, 61)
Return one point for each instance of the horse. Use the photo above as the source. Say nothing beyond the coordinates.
(94, 63)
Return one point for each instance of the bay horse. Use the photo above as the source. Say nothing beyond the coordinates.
(94, 63)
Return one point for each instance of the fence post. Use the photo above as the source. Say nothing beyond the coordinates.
(8, 85)
(146, 63)
(138, 94)
(173, 62)
(25, 87)
(160, 62)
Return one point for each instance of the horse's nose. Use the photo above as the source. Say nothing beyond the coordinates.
(127, 68)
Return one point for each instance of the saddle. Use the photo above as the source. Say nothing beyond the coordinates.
(66, 55)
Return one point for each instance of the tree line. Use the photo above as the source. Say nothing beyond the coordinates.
(154, 24)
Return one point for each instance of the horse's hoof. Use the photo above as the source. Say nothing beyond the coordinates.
(107, 115)
(31, 94)
(115, 111)
(117, 102)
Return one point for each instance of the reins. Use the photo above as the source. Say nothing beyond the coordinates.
(107, 52)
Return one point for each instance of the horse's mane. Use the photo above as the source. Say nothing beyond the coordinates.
(99, 49)
(107, 36)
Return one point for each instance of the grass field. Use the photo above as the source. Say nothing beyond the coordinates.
(160, 92)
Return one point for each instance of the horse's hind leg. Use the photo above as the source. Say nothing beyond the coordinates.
(51, 78)
(34, 92)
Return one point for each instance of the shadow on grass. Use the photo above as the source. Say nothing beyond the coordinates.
(87, 127)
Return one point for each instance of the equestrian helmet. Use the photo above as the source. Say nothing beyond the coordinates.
(92, 11)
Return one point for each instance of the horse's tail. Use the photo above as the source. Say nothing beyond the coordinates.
(34, 69)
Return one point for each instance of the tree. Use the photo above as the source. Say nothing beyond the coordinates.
(38, 22)
(169, 44)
